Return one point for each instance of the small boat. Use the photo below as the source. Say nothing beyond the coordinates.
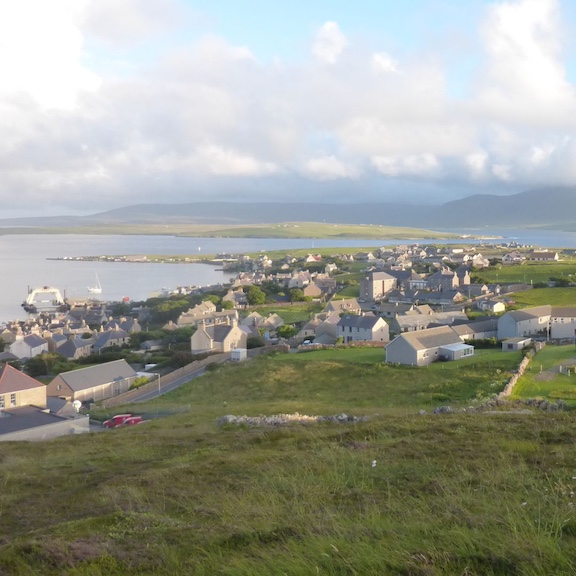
(97, 288)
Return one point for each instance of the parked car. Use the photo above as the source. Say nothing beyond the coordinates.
(122, 420)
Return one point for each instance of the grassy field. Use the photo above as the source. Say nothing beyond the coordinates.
(292, 313)
(548, 376)
(530, 272)
(284, 230)
(542, 296)
(401, 493)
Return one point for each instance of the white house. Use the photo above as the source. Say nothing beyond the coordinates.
(527, 322)
(426, 346)
(353, 328)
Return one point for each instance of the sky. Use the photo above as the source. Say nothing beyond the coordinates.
(108, 103)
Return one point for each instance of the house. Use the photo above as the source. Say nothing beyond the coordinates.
(109, 338)
(31, 423)
(426, 346)
(75, 348)
(443, 280)
(515, 344)
(480, 330)
(194, 315)
(527, 322)
(237, 297)
(392, 309)
(94, 383)
(28, 346)
(217, 338)
(513, 257)
(129, 325)
(563, 322)
(413, 321)
(369, 328)
(18, 389)
(543, 256)
(253, 319)
(375, 285)
(346, 306)
(312, 290)
(492, 306)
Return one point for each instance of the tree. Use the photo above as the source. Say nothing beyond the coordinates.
(297, 295)
(227, 305)
(287, 331)
(211, 298)
(255, 295)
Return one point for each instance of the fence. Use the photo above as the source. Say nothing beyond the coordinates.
(521, 369)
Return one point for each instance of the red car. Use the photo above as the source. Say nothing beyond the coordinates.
(122, 420)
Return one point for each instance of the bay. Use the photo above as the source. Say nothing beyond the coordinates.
(29, 261)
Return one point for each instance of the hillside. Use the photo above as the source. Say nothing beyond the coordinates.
(545, 207)
(400, 493)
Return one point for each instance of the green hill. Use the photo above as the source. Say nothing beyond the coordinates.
(400, 493)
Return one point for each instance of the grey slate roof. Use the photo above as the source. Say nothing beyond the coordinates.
(530, 313)
(93, 376)
(16, 419)
(431, 337)
(364, 322)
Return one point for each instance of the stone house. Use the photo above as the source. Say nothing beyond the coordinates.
(94, 383)
(18, 389)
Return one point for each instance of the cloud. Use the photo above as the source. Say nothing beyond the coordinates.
(122, 23)
(329, 43)
(41, 51)
(382, 62)
(418, 165)
(204, 117)
(329, 168)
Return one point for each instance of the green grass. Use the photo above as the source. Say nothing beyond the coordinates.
(292, 313)
(283, 230)
(543, 379)
(530, 272)
(542, 296)
(449, 495)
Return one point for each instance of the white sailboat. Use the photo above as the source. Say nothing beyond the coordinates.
(97, 288)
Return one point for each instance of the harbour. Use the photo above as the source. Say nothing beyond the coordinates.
(63, 261)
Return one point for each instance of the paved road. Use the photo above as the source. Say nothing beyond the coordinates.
(169, 387)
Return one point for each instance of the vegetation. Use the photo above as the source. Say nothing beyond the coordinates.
(284, 230)
(397, 494)
(542, 296)
(551, 375)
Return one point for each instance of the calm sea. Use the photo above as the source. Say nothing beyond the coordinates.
(25, 262)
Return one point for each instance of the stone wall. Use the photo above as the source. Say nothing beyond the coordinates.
(521, 369)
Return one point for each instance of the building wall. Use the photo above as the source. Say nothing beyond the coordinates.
(64, 428)
(563, 328)
(400, 352)
(32, 397)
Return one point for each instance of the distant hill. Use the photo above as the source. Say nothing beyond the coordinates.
(545, 207)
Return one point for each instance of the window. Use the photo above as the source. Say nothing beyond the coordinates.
(2, 403)
(12, 399)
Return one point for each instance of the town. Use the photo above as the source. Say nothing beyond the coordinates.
(419, 304)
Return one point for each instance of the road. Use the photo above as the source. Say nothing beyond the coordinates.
(169, 387)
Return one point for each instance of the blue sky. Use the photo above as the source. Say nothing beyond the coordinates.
(107, 103)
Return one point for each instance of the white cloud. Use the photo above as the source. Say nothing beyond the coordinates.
(220, 161)
(41, 52)
(207, 110)
(382, 62)
(477, 163)
(329, 168)
(417, 165)
(329, 43)
(525, 80)
(126, 22)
